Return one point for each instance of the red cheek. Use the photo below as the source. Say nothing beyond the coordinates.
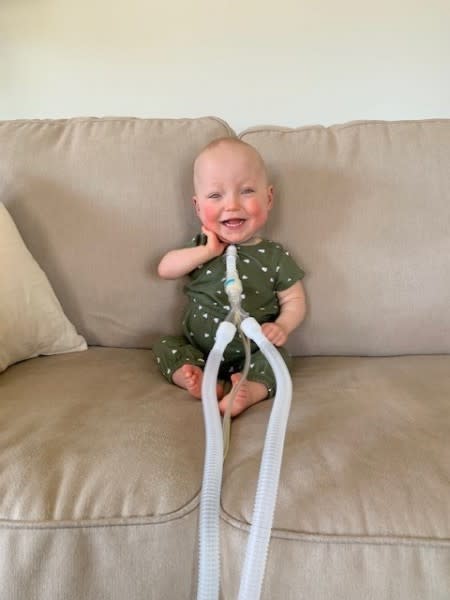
(208, 214)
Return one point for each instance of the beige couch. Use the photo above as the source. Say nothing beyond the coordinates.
(101, 459)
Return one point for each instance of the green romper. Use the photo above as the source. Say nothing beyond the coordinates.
(264, 269)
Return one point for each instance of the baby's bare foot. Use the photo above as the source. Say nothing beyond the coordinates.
(193, 377)
(248, 394)
(190, 378)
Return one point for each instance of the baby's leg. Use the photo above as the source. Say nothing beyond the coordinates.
(180, 362)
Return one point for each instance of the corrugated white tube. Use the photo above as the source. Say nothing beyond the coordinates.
(209, 551)
(269, 474)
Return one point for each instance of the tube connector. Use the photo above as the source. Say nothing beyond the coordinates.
(252, 330)
(233, 285)
(224, 334)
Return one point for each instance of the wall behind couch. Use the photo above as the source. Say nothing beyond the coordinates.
(287, 62)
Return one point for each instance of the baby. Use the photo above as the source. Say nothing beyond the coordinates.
(232, 201)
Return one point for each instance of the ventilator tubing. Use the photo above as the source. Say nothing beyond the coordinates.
(269, 474)
(209, 553)
(267, 488)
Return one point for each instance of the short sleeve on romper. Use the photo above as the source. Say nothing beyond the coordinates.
(288, 272)
(198, 240)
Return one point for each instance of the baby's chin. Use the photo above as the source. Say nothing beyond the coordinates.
(235, 237)
(233, 240)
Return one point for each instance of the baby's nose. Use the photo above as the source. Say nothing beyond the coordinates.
(233, 202)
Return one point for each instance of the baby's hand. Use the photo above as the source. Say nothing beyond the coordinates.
(274, 333)
(214, 245)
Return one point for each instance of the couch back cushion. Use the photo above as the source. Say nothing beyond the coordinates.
(365, 209)
(97, 202)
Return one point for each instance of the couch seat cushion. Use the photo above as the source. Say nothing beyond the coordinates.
(366, 452)
(96, 435)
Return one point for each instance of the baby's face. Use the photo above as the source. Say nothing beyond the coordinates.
(232, 196)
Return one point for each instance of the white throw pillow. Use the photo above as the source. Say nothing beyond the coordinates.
(32, 321)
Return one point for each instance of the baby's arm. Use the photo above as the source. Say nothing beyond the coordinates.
(177, 263)
(292, 312)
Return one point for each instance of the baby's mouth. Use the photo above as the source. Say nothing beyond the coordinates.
(233, 223)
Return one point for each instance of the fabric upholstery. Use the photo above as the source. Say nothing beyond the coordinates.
(364, 493)
(100, 469)
(358, 221)
(140, 561)
(97, 202)
(96, 435)
(323, 568)
(101, 459)
(366, 430)
(365, 209)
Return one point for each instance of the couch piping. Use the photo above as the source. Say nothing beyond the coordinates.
(316, 538)
(273, 129)
(181, 513)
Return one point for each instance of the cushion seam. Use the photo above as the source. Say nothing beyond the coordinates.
(272, 129)
(344, 539)
(182, 512)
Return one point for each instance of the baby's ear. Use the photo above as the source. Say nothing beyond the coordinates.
(195, 203)
(270, 196)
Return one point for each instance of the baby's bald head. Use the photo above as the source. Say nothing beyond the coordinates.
(225, 148)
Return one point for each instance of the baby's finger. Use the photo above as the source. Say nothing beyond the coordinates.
(280, 340)
(269, 331)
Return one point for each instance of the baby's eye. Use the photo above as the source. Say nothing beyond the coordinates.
(214, 195)
(248, 191)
